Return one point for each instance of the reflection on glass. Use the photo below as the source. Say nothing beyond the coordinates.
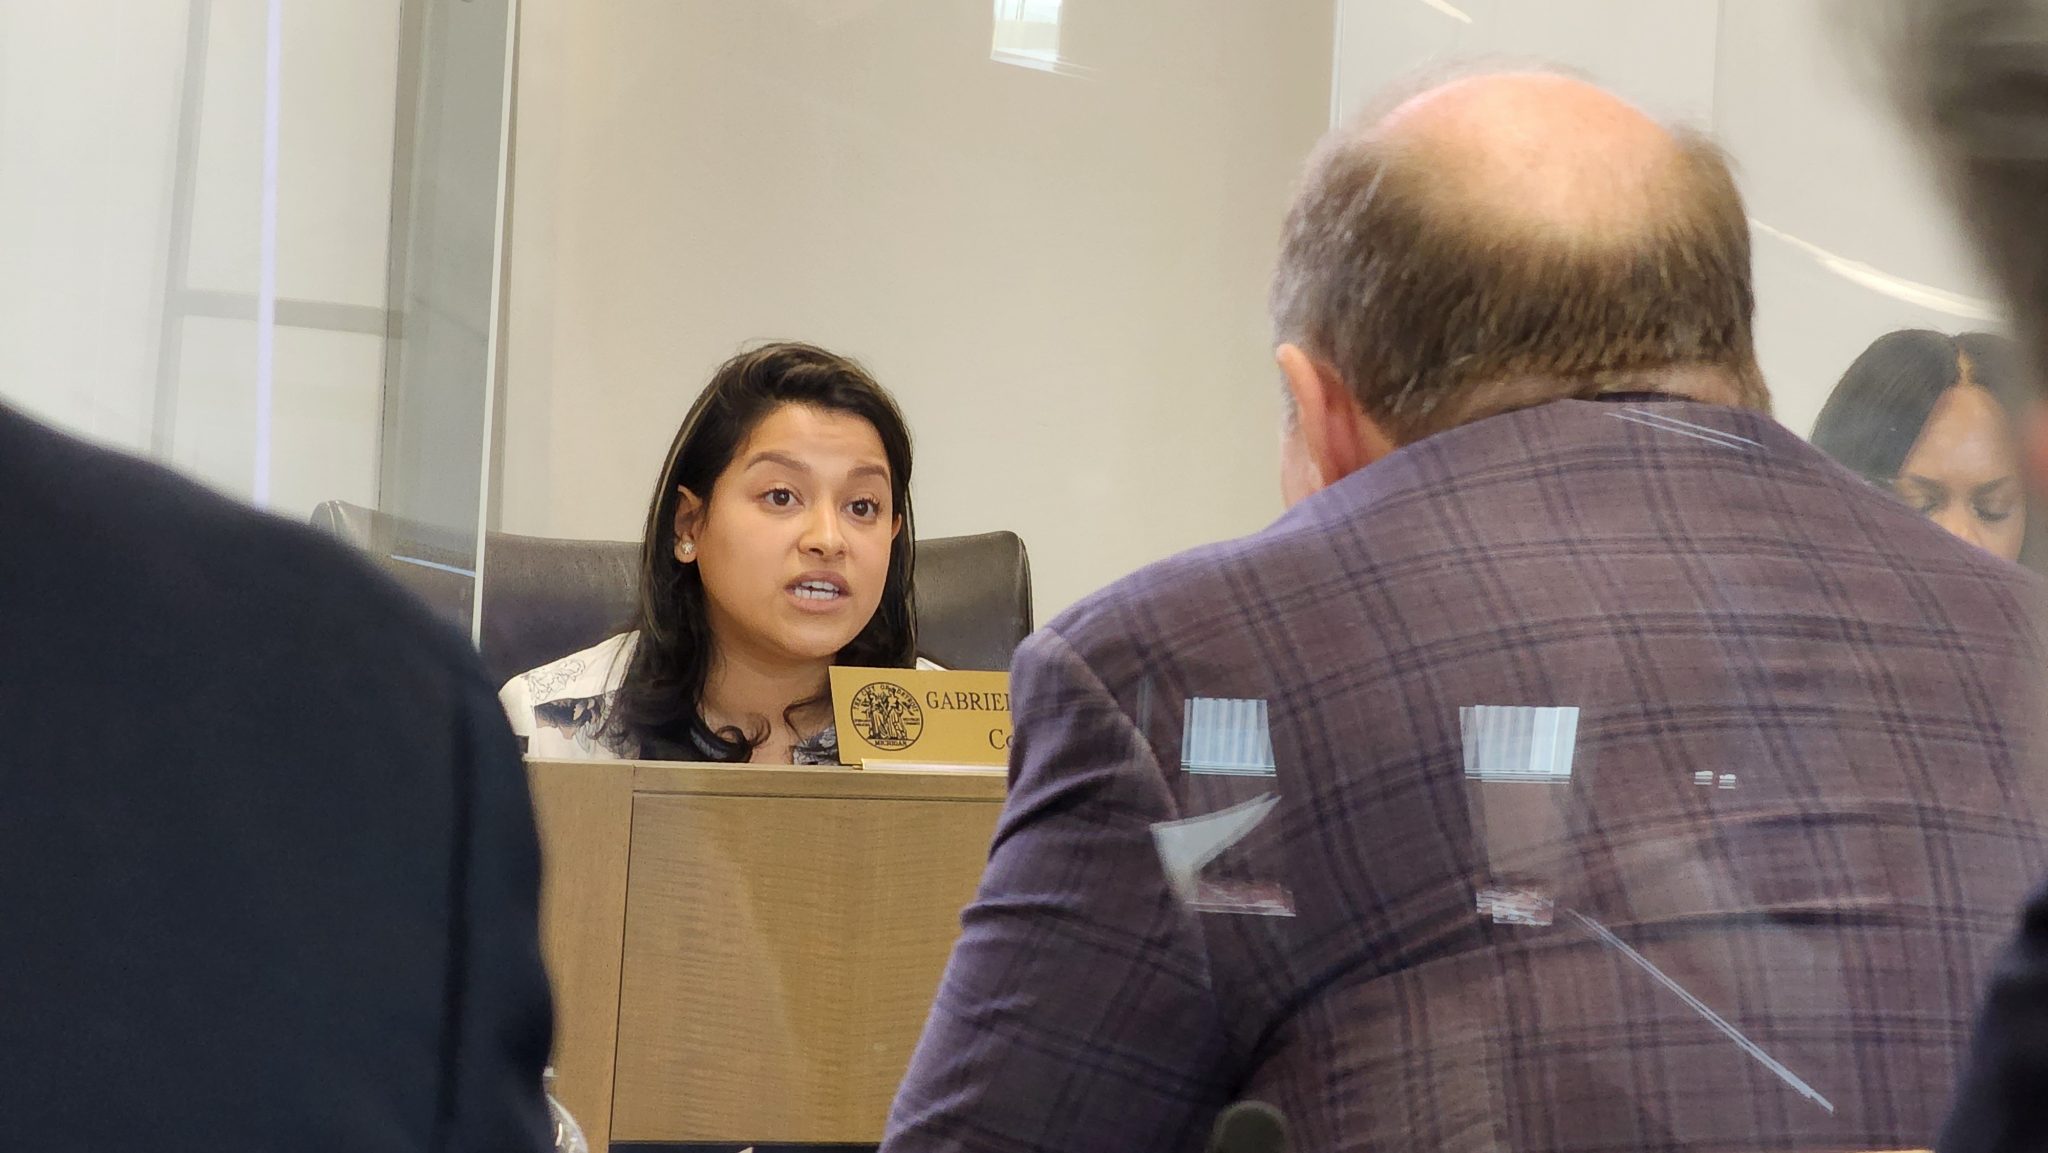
(1931, 417)
(1221, 857)
(1027, 33)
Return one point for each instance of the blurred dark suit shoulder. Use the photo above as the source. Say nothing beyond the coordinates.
(266, 852)
(1798, 790)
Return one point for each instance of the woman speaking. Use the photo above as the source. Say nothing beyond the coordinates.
(777, 544)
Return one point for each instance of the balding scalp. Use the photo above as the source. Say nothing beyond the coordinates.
(1511, 238)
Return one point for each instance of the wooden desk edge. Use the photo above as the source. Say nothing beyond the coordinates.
(682, 777)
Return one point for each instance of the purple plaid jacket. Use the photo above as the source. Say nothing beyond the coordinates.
(1603, 776)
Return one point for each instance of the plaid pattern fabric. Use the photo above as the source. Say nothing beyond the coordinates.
(1750, 906)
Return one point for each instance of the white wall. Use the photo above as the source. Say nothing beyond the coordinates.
(89, 128)
(1061, 274)
(88, 115)
(1826, 167)
(1824, 159)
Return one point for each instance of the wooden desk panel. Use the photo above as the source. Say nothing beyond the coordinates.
(584, 812)
(781, 955)
(763, 943)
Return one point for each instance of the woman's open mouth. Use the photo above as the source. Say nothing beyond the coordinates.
(818, 589)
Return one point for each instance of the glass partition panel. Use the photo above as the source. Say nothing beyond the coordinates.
(224, 252)
(1059, 271)
(1486, 798)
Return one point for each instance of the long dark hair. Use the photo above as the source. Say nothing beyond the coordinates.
(1875, 415)
(659, 704)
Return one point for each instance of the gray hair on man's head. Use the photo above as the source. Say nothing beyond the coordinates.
(1422, 276)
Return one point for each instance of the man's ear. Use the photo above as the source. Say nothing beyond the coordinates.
(689, 510)
(1336, 435)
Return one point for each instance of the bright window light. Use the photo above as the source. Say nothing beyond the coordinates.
(1028, 33)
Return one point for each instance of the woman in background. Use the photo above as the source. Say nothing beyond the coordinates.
(1934, 418)
(777, 544)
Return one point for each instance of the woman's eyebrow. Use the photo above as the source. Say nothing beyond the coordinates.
(771, 456)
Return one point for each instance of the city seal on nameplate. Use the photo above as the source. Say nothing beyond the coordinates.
(887, 716)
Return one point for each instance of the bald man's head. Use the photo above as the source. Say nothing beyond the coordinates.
(1538, 150)
(1508, 239)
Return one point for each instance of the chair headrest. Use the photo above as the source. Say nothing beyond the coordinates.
(545, 598)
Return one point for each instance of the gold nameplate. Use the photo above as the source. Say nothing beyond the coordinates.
(913, 716)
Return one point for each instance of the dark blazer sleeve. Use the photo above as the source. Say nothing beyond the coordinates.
(1076, 1012)
(2002, 1098)
(499, 1016)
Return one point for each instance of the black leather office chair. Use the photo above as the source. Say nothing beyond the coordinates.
(547, 598)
